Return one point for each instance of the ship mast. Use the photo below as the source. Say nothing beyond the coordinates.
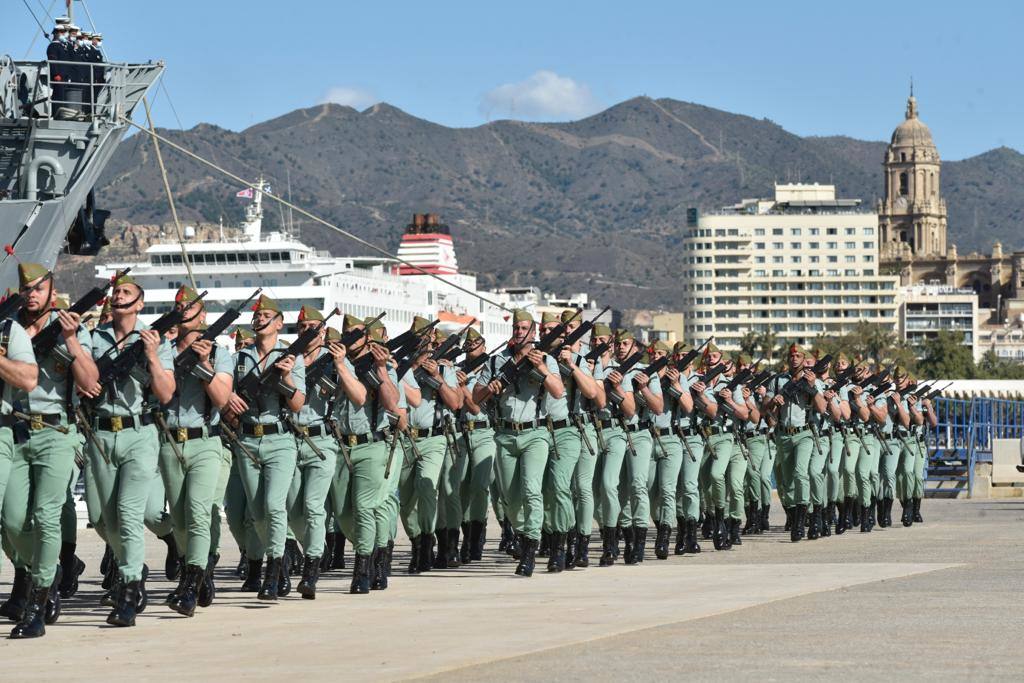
(254, 212)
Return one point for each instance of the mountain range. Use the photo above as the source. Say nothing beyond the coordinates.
(592, 205)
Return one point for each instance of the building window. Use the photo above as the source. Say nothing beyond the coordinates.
(869, 258)
(850, 258)
(869, 245)
(851, 245)
(832, 231)
(814, 245)
(776, 259)
(815, 231)
(758, 232)
(833, 259)
(776, 231)
(903, 181)
(815, 259)
(795, 259)
(777, 245)
(794, 245)
(795, 232)
(869, 231)
(851, 231)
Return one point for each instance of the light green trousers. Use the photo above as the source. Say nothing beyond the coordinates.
(608, 499)
(688, 486)
(559, 511)
(479, 473)
(266, 487)
(419, 484)
(190, 488)
(794, 453)
(867, 468)
(668, 455)
(307, 496)
(757, 448)
(522, 458)
(583, 483)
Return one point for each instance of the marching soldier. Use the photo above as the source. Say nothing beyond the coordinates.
(522, 440)
(566, 435)
(890, 413)
(668, 449)
(122, 448)
(191, 452)
(268, 447)
(907, 474)
(317, 459)
(821, 430)
(44, 446)
(792, 433)
(870, 448)
(920, 438)
(686, 428)
(476, 444)
(754, 436)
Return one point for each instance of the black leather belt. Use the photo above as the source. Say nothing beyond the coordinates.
(687, 431)
(473, 426)
(183, 434)
(511, 426)
(825, 432)
(639, 426)
(313, 430)
(790, 431)
(8, 420)
(37, 421)
(603, 424)
(715, 430)
(560, 424)
(116, 423)
(425, 433)
(663, 431)
(351, 440)
(259, 429)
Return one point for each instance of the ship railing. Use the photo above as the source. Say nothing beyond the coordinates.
(79, 91)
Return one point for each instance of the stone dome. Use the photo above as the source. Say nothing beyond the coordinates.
(912, 132)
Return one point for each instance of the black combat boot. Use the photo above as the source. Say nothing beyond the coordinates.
(680, 535)
(628, 537)
(865, 519)
(814, 528)
(826, 521)
(252, 577)
(854, 512)
(21, 593)
(207, 589)
(338, 561)
(707, 529)
(528, 559)
(284, 581)
(172, 563)
(379, 569)
(918, 519)
(907, 518)
(242, 568)
(33, 622)
(661, 541)
(271, 580)
(888, 512)
(751, 521)
(478, 532)
(292, 559)
(735, 537)
(141, 596)
(71, 568)
(608, 546)
(692, 546)
(503, 541)
(106, 561)
(582, 553)
(465, 551)
(414, 555)
(556, 559)
(53, 604)
(124, 613)
(796, 530)
(310, 575)
(879, 512)
(453, 549)
(426, 555)
(113, 594)
(841, 521)
(440, 549)
(766, 518)
(640, 544)
(544, 549)
(571, 544)
(790, 513)
(186, 603)
(172, 598)
(361, 574)
(514, 542)
(328, 557)
(720, 538)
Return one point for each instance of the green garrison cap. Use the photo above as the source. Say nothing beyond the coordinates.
(473, 335)
(711, 348)
(265, 303)
(521, 315)
(900, 373)
(105, 310)
(567, 315)
(646, 358)
(374, 324)
(62, 303)
(309, 313)
(660, 346)
(27, 272)
(377, 332)
(622, 334)
(351, 321)
(797, 350)
(841, 356)
(242, 332)
(419, 322)
(743, 359)
(333, 334)
(601, 330)
(546, 318)
(127, 280)
(185, 295)
(682, 348)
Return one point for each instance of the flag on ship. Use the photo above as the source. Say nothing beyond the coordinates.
(245, 194)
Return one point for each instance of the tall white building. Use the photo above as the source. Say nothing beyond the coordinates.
(925, 310)
(802, 264)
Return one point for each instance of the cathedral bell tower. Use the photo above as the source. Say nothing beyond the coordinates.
(912, 217)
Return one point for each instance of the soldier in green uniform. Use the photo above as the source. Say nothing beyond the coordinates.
(122, 453)
(692, 442)
(433, 396)
(906, 477)
(564, 428)
(522, 439)
(476, 444)
(668, 449)
(792, 433)
(920, 437)
(587, 487)
(821, 430)
(267, 475)
(890, 412)
(636, 513)
(44, 450)
(316, 461)
(870, 448)
(191, 454)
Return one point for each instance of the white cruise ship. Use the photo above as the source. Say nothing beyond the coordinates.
(295, 274)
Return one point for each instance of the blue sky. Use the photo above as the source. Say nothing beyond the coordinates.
(815, 68)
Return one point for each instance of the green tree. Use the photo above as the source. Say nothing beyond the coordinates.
(945, 356)
(992, 366)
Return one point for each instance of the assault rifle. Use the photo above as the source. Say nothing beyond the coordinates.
(10, 306)
(114, 368)
(741, 378)
(597, 352)
(256, 381)
(443, 349)
(706, 380)
(691, 355)
(509, 372)
(570, 340)
(187, 362)
(624, 367)
(45, 342)
(798, 388)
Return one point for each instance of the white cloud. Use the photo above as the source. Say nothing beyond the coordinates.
(349, 96)
(544, 95)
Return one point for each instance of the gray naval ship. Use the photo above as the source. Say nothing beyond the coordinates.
(56, 137)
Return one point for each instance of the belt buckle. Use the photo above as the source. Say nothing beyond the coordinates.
(36, 422)
(257, 429)
(353, 440)
(182, 434)
(469, 426)
(116, 423)
(304, 429)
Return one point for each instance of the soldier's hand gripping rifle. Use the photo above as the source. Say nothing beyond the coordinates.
(442, 350)
(680, 365)
(114, 368)
(799, 388)
(46, 341)
(319, 376)
(706, 380)
(510, 371)
(741, 378)
(187, 362)
(256, 382)
(570, 340)
(10, 306)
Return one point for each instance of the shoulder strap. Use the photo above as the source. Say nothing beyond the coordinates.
(5, 341)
